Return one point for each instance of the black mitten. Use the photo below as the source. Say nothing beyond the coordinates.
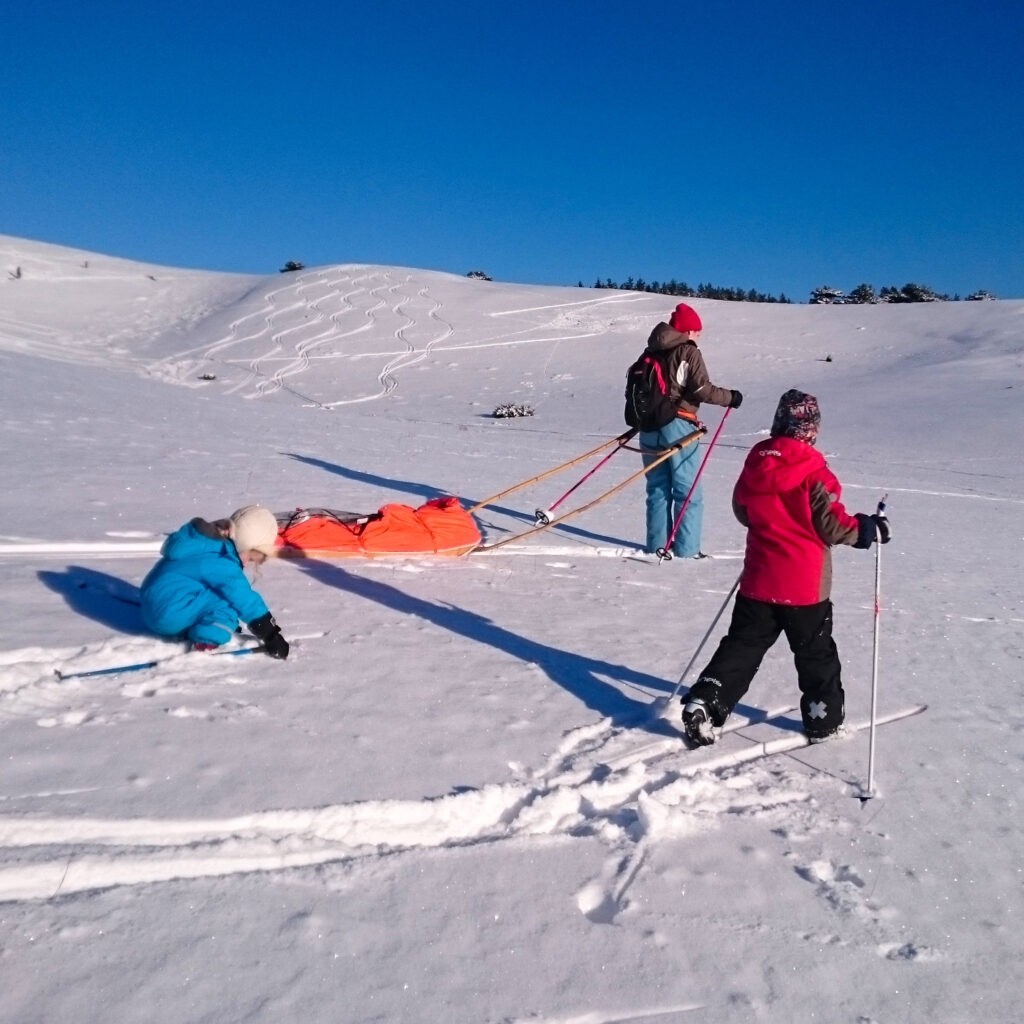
(884, 533)
(865, 531)
(268, 632)
(737, 399)
(866, 527)
(276, 646)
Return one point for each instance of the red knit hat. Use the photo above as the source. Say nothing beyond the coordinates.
(684, 318)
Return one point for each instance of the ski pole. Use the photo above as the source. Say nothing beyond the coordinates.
(870, 792)
(138, 666)
(666, 454)
(663, 552)
(714, 622)
(543, 515)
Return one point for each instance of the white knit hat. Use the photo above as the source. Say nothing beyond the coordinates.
(253, 528)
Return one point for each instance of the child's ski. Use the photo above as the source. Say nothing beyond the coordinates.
(713, 757)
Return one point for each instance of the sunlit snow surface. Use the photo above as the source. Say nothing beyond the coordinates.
(456, 801)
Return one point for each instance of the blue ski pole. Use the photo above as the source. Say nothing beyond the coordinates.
(138, 666)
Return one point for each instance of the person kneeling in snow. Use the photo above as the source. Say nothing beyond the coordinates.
(788, 499)
(198, 588)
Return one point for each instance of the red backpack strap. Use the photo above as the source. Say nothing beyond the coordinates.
(656, 363)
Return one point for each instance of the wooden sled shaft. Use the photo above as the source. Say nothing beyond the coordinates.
(666, 454)
(620, 440)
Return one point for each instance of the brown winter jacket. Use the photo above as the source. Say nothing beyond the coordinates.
(689, 382)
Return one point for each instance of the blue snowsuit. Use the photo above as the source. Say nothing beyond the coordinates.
(199, 588)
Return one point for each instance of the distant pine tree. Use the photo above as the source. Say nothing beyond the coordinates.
(911, 293)
(682, 289)
(826, 296)
(862, 295)
(920, 293)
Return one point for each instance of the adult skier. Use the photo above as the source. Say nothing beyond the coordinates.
(669, 483)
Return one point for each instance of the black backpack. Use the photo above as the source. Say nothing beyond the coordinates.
(648, 403)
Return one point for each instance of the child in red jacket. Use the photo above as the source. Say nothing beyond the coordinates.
(788, 499)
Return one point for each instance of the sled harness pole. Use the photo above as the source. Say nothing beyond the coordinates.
(662, 456)
(663, 552)
(870, 791)
(704, 639)
(544, 514)
(621, 439)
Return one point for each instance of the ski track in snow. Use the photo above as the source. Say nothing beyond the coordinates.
(601, 782)
(625, 787)
(651, 1014)
(319, 315)
(574, 795)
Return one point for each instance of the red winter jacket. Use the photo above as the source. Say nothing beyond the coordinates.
(788, 499)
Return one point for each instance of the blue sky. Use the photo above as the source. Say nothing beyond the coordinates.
(749, 144)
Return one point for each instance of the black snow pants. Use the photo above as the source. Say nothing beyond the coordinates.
(755, 627)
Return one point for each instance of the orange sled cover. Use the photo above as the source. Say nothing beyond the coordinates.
(440, 527)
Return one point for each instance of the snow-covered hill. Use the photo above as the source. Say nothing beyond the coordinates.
(456, 801)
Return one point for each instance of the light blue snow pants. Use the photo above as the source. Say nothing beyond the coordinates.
(667, 487)
(201, 614)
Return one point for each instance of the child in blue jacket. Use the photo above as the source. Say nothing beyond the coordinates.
(199, 589)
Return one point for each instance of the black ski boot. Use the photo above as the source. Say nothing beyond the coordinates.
(697, 722)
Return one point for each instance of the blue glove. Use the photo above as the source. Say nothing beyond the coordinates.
(737, 399)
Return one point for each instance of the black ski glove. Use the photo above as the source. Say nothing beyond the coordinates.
(737, 399)
(884, 533)
(866, 527)
(268, 632)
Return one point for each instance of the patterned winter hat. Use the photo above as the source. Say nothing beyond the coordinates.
(797, 416)
(684, 318)
(253, 528)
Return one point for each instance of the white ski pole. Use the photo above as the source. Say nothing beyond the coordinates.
(663, 703)
(870, 792)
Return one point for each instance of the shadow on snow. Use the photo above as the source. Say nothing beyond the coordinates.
(98, 596)
(575, 673)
